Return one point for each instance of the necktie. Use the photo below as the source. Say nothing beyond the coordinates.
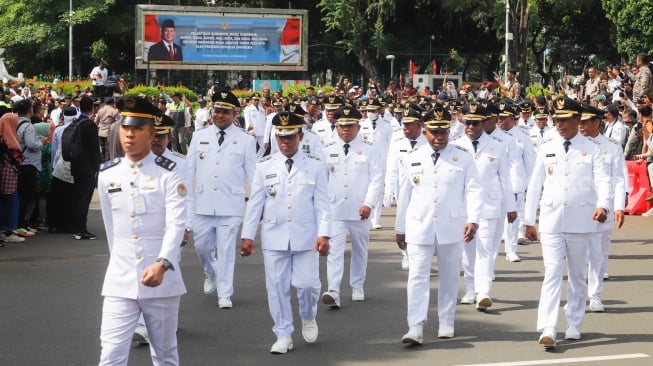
(567, 143)
(289, 164)
(221, 138)
(435, 157)
(608, 130)
(346, 147)
(374, 125)
(475, 143)
(171, 52)
(542, 132)
(412, 143)
(333, 126)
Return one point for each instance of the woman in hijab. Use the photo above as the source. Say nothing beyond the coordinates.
(10, 157)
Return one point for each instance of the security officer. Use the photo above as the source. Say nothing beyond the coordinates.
(613, 157)
(290, 194)
(355, 183)
(410, 140)
(491, 162)
(221, 159)
(142, 200)
(526, 156)
(571, 178)
(439, 204)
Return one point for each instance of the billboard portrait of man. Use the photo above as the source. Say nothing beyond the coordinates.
(166, 49)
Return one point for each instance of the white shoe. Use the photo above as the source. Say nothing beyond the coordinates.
(404, 263)
(225, 303)
(483, 302)
(648, 213)
(445, 332)
(512, 257)
(357, 294)
(606, 276)
(522, 240)
(548, 338)
(281, 346)
(414, 335)
(332, 299)
(13, 238)
(140, 335)
(377, 226)
(469, 298)
(209, 286)
(309, 330)
(572, 333)
(596, 306)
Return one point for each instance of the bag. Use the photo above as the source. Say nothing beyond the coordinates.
(72, 148)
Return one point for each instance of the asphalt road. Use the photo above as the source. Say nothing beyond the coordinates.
(51, 309)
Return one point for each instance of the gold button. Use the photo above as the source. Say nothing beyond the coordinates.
(566, 159)
(289, 219)
(132, 215)
(566, 189)
(345, 197)
(346, 174)
(215, 189)
(345, 186)
(138, 257)
(134, 172)
(132, 193)
(215, 176)
(289, 207)
(135, 236)
(289, 181)
(289, 194)
(435, 186)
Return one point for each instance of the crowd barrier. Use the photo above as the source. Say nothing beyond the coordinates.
(640, 188)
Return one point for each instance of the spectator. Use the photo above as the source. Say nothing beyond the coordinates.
(10, 158)
(43, 129)
(99, 76)
(106, 116)
(202, 116)
(62, 189)
(642, 78)
(179, 112)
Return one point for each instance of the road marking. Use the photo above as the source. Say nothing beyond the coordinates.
(565, 360)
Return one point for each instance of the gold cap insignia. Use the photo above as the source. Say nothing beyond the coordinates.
(284, 119)
(346, 111)
(406, 112)
(439, 115)
(292, 108)
(223, 95)
(472, 108)
(130, 103)
(560, 102)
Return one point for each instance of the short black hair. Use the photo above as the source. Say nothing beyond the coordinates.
(645, 111)
(86, 104)
(644, 57)
(22, 106)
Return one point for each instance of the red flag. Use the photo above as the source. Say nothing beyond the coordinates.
(435, 67)
(412, 68)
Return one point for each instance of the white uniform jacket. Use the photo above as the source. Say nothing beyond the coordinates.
(220, 172)
(323, 129)
(438, 200)
(255, 117)
(491, 161)
(143, 211)
(571, 185)
(295, 205)
(615, 164)
(311, 144)
(538, 138)
(518, 177)
(355, 179)
(525, 151)
(399, 149)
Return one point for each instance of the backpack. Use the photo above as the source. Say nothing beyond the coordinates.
(72, 148)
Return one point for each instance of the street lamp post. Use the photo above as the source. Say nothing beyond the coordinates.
(70, 42)
(392, 66)
(431, 39)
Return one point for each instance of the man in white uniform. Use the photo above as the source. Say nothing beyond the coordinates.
(221, 159)
(326, 127)
(355, 182)
(439, 204)
(290, 194)
(255, 122)
(571, 178)
(142, 200)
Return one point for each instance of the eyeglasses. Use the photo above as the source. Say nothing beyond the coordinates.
(473, 123)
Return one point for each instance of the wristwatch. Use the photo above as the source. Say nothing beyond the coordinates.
(165, 263)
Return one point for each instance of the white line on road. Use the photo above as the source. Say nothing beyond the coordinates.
(565, 360)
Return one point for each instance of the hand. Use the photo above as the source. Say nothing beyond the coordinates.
(619, 218)
(184, 241)
(387, 201)
(512, 216)
(322, 245)
(246, 247)
(153, 275)
(401, 241)
(469, 232)
(600, 215)
(531, 233)
(364, 212)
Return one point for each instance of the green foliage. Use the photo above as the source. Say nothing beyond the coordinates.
(537, 90)
(99, 50)
(633, 31)
(150, 91)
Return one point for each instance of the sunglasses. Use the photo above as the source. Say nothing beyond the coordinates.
(473, 123)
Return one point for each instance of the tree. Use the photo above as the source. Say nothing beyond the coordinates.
(361, 25)
(633, 30)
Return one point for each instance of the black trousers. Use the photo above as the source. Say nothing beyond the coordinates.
(59, 216)
(84, 186)
(27, 178)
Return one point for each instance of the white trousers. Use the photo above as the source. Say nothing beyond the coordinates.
(375, 215)
(119, 320)
(420, 258)
(480, 255)
(284, 269)
(261, 149)
(599, 251)
(555, 247)
(359, 233)
(511, 231)
(215, 243)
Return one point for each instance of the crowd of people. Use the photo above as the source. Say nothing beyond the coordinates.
(467, 169)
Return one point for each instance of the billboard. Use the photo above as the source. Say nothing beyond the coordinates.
(215, 38)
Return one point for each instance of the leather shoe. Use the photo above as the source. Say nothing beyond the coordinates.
(483, 302)
(309, 330)
(281, 346)
(140, 335)
(572, 333)
(597, 306)
(225, 303)
(414, 335)
(209, 286)
(445, 332)
(548, 338)
(469, 298)
(357, 294)
(332, 299)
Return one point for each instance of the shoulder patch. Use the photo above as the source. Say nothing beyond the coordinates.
(109, 164)
(496, 138)
(457, 138)
(460, 148)
(367, 142)
(265, 158)
(329, 144)
(175, 153)
(310, 131)
(165, 163)
(547, 140)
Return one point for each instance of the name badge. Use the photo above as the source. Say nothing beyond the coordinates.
(416, 168)
(139, 205)
(113, 190)
(271, 179)
(333, 158)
